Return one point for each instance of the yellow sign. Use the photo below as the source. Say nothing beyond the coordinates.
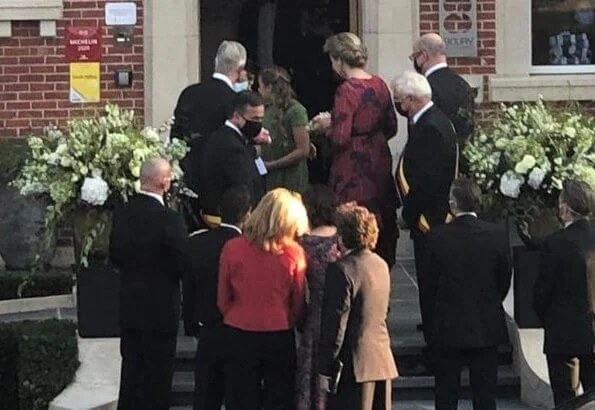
(85, 82)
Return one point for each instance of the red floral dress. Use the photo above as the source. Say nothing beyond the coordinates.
(363, 120)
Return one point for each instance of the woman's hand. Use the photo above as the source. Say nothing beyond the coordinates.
(263, 138)
(313, 153)
(324, 383)
(322, 122)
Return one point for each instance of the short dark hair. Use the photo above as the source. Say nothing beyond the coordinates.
(578, 195)
(234, 204)
(466, 193)
(242, 101)
(321, 204)
(356, 226)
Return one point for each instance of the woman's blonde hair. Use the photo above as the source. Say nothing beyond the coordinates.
(348, 48)
(279, 218)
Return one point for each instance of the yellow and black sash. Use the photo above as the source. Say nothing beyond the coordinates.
(403, 189)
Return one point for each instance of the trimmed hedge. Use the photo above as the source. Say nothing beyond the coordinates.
(38, 359)
(19, 284)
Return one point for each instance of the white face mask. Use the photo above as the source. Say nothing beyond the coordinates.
(243, 86)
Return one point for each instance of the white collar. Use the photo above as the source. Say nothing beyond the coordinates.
(233, 127)
(230, 226)
(153, 195)
(567, 224)
(224, 78)
(421, 112)
(465, 213)
(435, 68)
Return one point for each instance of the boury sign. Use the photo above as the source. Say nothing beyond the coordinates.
(458, 27)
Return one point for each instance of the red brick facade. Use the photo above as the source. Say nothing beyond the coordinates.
(34, 73)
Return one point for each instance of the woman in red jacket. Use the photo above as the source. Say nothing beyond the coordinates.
(261, 295)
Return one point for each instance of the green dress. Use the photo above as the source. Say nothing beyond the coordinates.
(293, 177)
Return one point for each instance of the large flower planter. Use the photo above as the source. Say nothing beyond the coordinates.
(526, 268)
(23, 235)
(98, 300)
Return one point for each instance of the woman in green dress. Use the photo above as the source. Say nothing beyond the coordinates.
(287, 121)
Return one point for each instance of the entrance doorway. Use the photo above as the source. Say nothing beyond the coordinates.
(289, 33)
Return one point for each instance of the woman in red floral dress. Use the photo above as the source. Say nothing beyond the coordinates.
(363, 120)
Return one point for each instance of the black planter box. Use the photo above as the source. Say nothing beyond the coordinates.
(98, 300)
(526, 268)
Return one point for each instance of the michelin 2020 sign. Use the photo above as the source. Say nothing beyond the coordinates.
(458, 27)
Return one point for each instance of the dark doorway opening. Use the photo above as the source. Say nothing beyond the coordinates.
(289, 33)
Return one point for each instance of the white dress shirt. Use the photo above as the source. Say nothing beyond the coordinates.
(465, 213)
(421, 112)
(224, 78)
(435, 68)
(233, 127)
(235, 228)
(153, 195)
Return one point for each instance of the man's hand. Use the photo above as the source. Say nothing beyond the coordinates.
(263, 138)
(324, 383)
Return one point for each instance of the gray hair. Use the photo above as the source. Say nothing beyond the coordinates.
(431, 43)
(153, 169)
(413, 84)
(231, 55)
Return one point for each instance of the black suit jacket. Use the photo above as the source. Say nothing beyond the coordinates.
(564, 290)
(453, 95)
(148, 246)
(226, 160)
(428, 164)
(469, 272)
(201, 108)
(201, 280)
(354, 310)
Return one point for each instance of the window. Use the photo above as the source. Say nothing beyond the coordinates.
(563, 36)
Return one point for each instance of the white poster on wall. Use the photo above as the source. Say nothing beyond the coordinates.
(458, 27)
(120, 14)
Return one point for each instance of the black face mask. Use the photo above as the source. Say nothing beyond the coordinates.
(416, 66)
(400, 109)
(251, 129)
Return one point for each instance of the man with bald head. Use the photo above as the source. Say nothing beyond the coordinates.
(148, 246)
(450, 92)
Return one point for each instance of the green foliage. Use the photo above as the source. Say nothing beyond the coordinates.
(13, 155)
(38, 359)
(20, 284)
(521, 159)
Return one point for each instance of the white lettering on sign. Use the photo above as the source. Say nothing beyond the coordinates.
(120, 14)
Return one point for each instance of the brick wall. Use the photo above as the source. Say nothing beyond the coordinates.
(34, 74)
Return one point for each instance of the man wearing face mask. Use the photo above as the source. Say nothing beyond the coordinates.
(564, 294)
(450, 92)
(227, 156)
(427, 167)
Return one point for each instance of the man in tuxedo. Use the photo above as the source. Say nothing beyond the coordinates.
(450, 92)
(201, 314)
(564, 295)
(228, 158)
(148, 246)
(425, 171)
(467, 291)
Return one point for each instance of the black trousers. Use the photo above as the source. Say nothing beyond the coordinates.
(209, 387)
(426, 305)
(260, 370)
(147, 369)
(483, 370)
(567, 372)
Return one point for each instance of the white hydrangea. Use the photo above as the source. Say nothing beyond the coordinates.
(151, 134)
(33, 188)
(510, 184)
(94, 191)
(525, 165)
(536, 177)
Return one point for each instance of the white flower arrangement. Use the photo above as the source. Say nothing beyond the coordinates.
(92, 160)
(522, 158)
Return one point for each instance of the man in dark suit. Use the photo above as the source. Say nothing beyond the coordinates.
(201, 314)
(228, 159)
(467, 290)
(354, 311)
(564, 296)
(450, 92)
(425, 171)
(148, 246)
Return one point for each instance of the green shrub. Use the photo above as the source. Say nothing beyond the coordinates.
(14, 153)
(24, 284)
(38, 359)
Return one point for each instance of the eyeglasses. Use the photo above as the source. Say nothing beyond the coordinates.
(414, 55)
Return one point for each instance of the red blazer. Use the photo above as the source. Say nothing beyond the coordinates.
(261, 291)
